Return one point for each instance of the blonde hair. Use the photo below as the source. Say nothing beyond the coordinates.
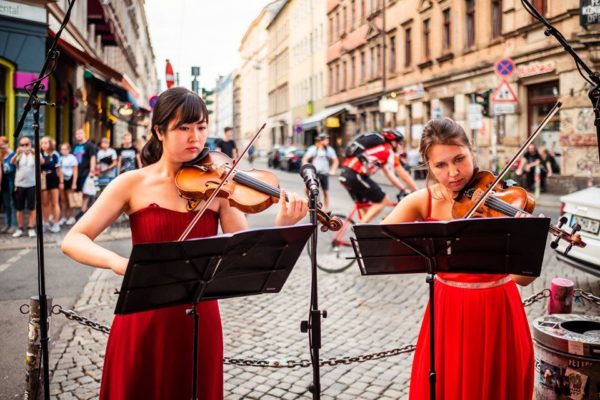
(51, 143)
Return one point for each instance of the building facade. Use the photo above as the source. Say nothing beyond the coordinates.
(105, 73)
(441, 58)
(224, 103)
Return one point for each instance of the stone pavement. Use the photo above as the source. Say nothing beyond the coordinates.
(366, 314)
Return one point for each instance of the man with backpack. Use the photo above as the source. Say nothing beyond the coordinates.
(365, 155)
(325, 161)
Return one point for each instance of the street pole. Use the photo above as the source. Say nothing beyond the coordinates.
(384, 59)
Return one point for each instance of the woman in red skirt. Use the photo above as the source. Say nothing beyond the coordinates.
(482, 339)
(148, 353)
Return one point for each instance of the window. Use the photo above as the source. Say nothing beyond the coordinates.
(353, 71)
(352, 14)
(407, 48)
(344, 20)
(337, 78)
(363, 66)
(330, 80)
(426, 35)
(541, 6)
(470, 23)
(447, 39)
(372, 74)
(496, 18)
(393, 54)
(363, 10)
(379, 61)
(331, 30)
(338, 25)
(344, 70)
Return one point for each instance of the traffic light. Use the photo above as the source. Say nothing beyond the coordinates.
(483, 99)
(206, 96)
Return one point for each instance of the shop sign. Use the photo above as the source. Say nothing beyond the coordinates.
(332, 122)
(535, 68)
(22, 11)
(388, 105)
(589, 12)
(414, 91)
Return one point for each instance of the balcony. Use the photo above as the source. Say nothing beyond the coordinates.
(103, 25)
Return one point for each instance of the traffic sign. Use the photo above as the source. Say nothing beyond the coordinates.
(504, 67)
(152, 101)
(504, 94)
(475, 116)
(504, 108)
(169, 76)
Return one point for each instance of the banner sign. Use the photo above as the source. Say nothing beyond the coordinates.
(589, 12)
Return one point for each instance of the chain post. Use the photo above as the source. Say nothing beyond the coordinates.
(33, 362)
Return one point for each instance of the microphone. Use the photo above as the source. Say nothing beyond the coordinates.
(309, 174)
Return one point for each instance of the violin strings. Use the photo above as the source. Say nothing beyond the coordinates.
(503, 206)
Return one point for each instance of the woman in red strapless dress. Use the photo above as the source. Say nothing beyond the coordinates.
(482, 339)
(148, 355)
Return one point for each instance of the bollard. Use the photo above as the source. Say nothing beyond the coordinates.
(561, 296)
(33, 374)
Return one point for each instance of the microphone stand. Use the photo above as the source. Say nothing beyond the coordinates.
(593, 78)
(313, 325)
(35, 103)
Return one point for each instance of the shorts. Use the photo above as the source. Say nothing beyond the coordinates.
(52, 181)
(68, 183)
(80, 181)
(324, 181)
(24, 198)
(362, 188)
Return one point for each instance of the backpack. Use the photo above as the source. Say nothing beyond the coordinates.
(362, 142)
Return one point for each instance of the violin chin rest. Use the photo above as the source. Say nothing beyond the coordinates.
(198, 158)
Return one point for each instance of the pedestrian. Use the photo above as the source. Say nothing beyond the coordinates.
(322, 156)
(531, 159)
(128, 155)
(8, 186)
(227, 145)
(148, 353)
(107, 163)
(52, 176)
(251, 154)
(85, 152)
(24, 194)
(483, 344)
(70, 172)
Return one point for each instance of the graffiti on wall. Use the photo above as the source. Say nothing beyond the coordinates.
(577, 128)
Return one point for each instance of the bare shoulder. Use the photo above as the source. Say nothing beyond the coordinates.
(412, 208)
(418, 201)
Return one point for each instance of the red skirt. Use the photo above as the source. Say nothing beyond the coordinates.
(483, 346)
(149, 355)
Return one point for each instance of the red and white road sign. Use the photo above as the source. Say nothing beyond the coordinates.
(504, 94)
(169, 75)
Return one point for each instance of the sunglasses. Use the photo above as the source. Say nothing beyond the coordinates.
(24, 144)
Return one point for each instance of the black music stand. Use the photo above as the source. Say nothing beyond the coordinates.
(476, 246)
(173, 273)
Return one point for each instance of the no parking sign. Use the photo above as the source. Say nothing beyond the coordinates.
(504, 67)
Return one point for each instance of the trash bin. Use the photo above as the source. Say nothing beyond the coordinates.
(567, 357)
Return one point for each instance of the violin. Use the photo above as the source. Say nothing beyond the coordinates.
(249, 191)
(505, 200)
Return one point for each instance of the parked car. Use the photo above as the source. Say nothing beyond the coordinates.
(583, 208)
(292, 160)
(274, 156)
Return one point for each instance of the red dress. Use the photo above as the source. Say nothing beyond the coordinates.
(483, 343)
(149, 354)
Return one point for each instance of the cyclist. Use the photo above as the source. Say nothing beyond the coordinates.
(357, 171)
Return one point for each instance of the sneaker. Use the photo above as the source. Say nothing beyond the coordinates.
(18, 233)
(54, 228)
(4, 229)
(71, 221)
(11, 230)
(62, 221)
(31, 232)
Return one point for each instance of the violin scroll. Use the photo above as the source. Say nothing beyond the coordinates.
(573, 238)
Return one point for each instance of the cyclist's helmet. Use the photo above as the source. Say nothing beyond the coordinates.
(392, 134)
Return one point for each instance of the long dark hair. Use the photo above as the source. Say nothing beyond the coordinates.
(178, 104)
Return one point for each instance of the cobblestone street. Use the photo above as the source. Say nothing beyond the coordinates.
(365, 315)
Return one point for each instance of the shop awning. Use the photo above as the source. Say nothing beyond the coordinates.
(313, 122)
(112, 89)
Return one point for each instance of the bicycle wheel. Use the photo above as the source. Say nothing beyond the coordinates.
(334, 248)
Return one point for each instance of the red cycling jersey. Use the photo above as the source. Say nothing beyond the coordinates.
(376, 157)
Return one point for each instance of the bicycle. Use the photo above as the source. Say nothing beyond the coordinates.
(334, 248)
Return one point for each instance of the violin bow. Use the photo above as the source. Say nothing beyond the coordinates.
(189, 228)
(529, 140)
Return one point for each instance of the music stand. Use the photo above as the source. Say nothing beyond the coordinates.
(476, 246)
(247, 263)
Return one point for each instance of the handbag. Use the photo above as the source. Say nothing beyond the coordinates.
(74, 199)
(89, 186)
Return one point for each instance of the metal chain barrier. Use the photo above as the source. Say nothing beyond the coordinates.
(579, 295)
